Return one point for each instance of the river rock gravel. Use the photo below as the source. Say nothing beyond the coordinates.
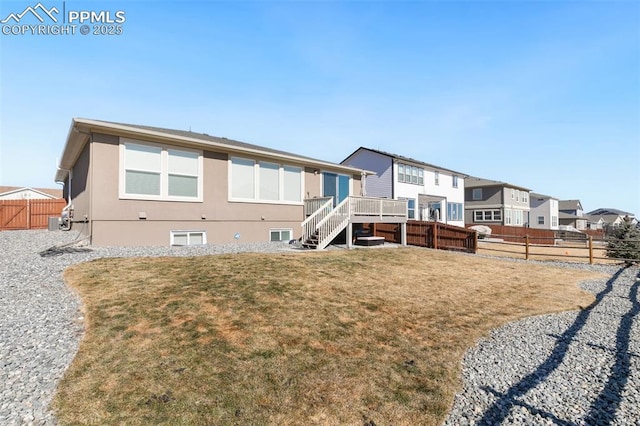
(568, 369)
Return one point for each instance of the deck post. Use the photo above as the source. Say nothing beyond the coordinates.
(349, 235)
(403, 233)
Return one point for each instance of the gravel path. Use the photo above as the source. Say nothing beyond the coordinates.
(564, 369)
(568, 369)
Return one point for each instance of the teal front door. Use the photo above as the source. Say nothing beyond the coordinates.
(336, 186)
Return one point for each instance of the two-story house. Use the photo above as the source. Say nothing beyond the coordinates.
(543, 212)
(572, 214)
(432, 192)
(493, 202)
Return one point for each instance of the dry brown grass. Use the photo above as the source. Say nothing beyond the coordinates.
(568, 252)
(340, 337)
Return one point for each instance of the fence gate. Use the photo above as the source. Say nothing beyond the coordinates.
(28, 214)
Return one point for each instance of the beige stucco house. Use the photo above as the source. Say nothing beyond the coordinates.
(135, 185)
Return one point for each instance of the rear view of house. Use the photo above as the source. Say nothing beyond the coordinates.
(493, 202)
(432, 192)
(135, 185)
(544, 211)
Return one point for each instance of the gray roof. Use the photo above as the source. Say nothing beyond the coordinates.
(569, 205)
(603, 211)
(406, 159)
(542, 196)
(476, 182)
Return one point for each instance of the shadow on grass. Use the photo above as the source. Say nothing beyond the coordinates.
(499, 410)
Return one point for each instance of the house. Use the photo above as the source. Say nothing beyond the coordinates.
(604, 218)
(432, 192)
(135, 185)
(543, 211)
(494, 202)
(27, 193)
(572, 214)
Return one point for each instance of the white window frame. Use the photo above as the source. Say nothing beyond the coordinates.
(281, 230)
(401, 172)
(487, 216)
(420, 176)
(476, 194)
(173, 233)
(436, 177)
(554, 220)
(525, 197)
(256, 184)
(518, 216)
(454, 211)
(517, 195)
(513, 194)
(540, 220)
(454, 181)
(164, 173)
(508, 216)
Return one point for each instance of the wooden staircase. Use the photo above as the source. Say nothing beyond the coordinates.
(324, 222)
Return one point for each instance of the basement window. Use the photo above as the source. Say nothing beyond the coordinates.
(280, 234)
(188, 238)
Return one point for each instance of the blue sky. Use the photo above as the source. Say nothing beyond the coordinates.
(542, 94)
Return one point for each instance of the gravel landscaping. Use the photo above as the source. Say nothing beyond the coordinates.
(577, 368)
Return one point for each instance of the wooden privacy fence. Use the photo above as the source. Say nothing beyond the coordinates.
(434, 235)
(28, 214)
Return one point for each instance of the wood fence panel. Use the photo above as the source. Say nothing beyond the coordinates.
(28, 214)
(431, 235)
(42, 210)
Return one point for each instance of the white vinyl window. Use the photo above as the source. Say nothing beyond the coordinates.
(154, 172)
(525, 197)
(454, 211)
(420, 176)
(410, 174)
(280, 234)
(436, 177)
(400, 172)
(513, 194)
(487, 216)
(269, 181)
(454, 181)
(507, 216)
(252, 181)
(517, 217)
(188, 238)
(476, 194)
(554, 220)
(540, 220)
(517, 195)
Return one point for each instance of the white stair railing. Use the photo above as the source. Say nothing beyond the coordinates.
(337, 220)
(310, 224)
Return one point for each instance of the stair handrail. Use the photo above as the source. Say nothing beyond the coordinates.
(332, 224)
(310, 224)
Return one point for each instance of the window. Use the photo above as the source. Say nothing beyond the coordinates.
(525, 197)
(264, 182)
(410, 174)
(476, 194)
(508, 217)
(436, 177)
(152, 172)
(188, 238)
(517, 215)
(269, 181)
(454, 211)
(411, 207)
(454, 181)
(487, 216)
(517, 195)
(280, 234)
(513, 194)
(540, 220)
(554, 220)
(243, 179)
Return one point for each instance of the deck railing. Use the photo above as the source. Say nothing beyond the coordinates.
(382, 207)
(310, 224)
(312, 205)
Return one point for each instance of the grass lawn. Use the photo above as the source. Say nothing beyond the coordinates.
(338, 337)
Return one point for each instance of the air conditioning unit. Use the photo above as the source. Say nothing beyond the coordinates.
(54, 223)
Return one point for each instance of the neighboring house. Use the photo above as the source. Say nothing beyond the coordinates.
(609, 218)
(494, 202)
(136, 185)
(26, 193)
(543, 212)
(431, 192)
(572, 214)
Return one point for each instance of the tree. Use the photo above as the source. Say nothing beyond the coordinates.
(625, 242)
